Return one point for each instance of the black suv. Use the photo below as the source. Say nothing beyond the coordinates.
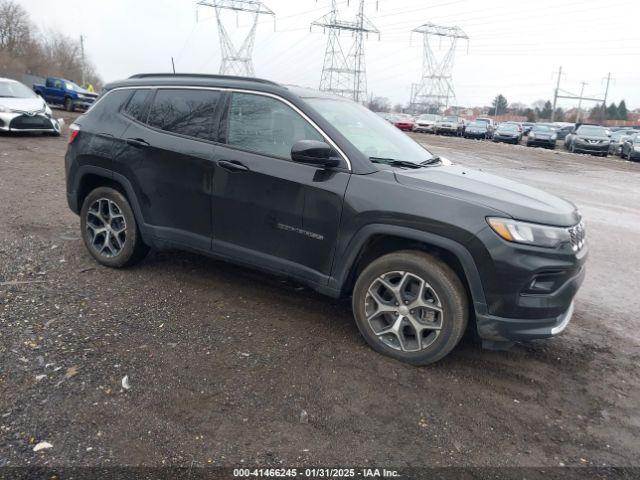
(318, 188)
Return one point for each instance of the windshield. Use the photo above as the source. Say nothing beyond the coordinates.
(72, 86)
(15, 90)
(370, 134)
(541, 128)
(509, 127)
(450, 119)
(592, 130)
(429, 117)
(477, 124)
(619, 134)
(483, 120)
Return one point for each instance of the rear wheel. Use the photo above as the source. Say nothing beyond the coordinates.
(68, 105)
(109, 229)
(410, 306)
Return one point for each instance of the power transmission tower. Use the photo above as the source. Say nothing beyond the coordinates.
(237, 61)
(345, 74)
(435, 88)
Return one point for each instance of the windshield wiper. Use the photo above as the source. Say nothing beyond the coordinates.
(432, 160)
(395, 163)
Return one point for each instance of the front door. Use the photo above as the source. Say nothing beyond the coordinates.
(267, 208)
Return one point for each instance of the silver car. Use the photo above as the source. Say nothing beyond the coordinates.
(21, 110)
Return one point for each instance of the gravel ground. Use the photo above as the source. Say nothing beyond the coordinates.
(227, 367)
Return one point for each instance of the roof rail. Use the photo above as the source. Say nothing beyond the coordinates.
(203, 75)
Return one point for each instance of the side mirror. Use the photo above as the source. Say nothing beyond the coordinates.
(315, 153)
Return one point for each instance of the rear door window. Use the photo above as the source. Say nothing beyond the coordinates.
(186, 112)
(266, 125)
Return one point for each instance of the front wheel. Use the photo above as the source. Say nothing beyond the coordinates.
(109, 229)
(410, 306)
(68, 105)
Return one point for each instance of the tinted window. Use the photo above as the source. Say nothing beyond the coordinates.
(266, 125)
(187, 112)
(136, 106)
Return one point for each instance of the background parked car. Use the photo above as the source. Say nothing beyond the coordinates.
(617, 139)
(631, 147)
(590, 139)
(491, 124)
(477, 130)
(564, 130)
(450, 125)
(507, 132)
(426, 122)
(542, 135)
(58, 91)
(404, 122)
(526, 127)
(21, 110)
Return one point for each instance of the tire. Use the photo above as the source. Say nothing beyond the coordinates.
(68, 105)
(122, 245)
(572, 148)
(442, 318)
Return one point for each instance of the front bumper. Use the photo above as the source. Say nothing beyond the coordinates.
(469, 134)
(499, 138)
(498, 329)
(423, 128)
(544, 142)
(20, 122)
(591, 148)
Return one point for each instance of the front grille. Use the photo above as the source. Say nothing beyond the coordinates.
(25, 122)
(578, 236)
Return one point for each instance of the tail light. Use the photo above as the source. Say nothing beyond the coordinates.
(75, 131)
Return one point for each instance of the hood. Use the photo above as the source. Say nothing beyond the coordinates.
(35, 104)
(592, 137)
(512, 198)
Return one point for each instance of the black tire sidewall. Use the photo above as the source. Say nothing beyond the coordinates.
(448, 288)
(131, 244)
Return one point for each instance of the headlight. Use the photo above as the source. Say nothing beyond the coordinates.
(554, 136)
(81, 96)
(47, 110)
(529, 233)
(532, 135)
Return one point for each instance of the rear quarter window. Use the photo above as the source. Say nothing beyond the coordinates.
(137, 106)
(108, 104)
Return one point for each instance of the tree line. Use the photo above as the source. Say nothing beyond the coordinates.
(24, 49)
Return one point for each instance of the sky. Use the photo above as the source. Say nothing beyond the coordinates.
(515, 48)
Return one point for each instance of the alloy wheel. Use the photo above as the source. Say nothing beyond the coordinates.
(106, 227)
(403, 311)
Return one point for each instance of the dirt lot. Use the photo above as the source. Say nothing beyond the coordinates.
(222, 362)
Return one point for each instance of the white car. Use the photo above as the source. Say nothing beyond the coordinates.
(21, 110)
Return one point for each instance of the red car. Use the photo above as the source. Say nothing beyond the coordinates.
(404, 122)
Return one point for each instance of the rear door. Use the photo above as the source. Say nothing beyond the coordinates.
(266, 208)
(170, 154)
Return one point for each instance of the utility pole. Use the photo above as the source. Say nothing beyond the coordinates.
(555, 96)
(237, 61)
(345, 74)
(435, 87)
(580, 102)
(606, 91)
(82, 66)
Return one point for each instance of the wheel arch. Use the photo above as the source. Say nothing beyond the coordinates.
(90, 178)
(373, 241)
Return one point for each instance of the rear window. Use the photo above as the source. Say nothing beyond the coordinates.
(186, 112)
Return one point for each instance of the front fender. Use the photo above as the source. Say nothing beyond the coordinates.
(343, 265)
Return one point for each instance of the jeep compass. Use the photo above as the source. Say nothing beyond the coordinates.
(317, 188)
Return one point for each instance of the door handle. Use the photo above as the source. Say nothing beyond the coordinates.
(137, 142)
(233, 166)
